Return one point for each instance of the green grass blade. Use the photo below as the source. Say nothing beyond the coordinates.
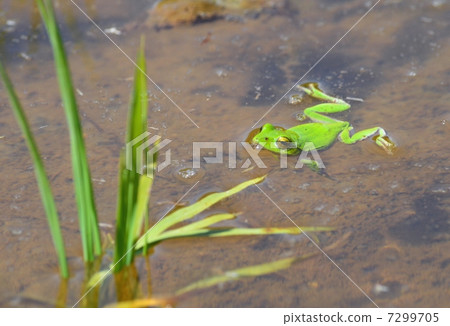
(226, 232)
(90, 233)
(204, 223)
(41, 177)
(192, 229)
(121, 214)
(186, 213)
(265, 231)
(139, 214)
(236, 274)
(137, 115)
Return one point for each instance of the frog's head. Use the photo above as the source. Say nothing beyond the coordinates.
(276, 139)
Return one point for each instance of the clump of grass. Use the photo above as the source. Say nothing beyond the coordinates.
(134, 186)
(202, 228)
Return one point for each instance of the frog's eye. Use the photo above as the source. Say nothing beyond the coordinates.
(284, 143)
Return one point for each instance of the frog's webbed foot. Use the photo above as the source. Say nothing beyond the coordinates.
(313, 90)
(379, 136)
(385, 143)
(315, 167)
(311, 164)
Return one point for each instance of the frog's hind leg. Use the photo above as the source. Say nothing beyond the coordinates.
(381, 140)
(334, 105)
(314, 112)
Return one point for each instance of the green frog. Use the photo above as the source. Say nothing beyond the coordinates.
(322, 132)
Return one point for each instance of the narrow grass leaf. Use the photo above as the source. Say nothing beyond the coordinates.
(236, 274)
(41, 177)
(226, 232)
(122, 203)
(139, 214)
(266, 231)
(144, 303)
(192, 229)
(90, 233)
(208, 221)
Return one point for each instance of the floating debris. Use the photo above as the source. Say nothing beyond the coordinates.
(169, 13)
(442, 188)
(106, 226)
(16, 231)
(25, 56)
(113, 30)
(295, 99)
(380, 289)
(357, 99)
(220, 72)
(189, 174)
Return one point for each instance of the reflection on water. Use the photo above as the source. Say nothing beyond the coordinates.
(225, 74)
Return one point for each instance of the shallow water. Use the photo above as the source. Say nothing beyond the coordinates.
(391, 213)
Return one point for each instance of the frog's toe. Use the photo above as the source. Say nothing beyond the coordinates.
(386, 143)
(307, 90)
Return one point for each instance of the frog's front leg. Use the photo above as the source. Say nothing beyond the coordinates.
(381, 140)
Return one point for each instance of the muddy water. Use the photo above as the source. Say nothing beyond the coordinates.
(390, 212)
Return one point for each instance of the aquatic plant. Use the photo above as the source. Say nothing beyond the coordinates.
(45, 190)
(134, 186)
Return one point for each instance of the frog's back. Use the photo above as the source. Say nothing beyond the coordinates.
(320, 134)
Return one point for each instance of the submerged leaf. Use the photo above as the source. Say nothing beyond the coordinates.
(251, 271)
(97, 279)
(267, 231)
(144, 303)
